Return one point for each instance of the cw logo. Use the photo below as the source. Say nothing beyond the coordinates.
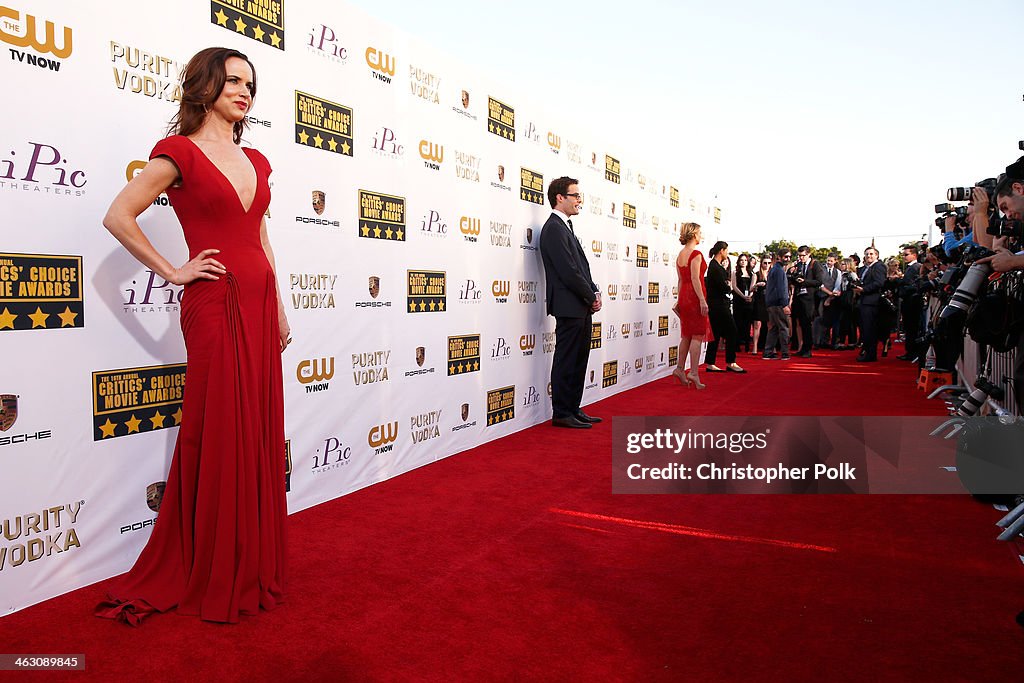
(31, 39)
(469, 226)
(527, 342)
(380, 61)
(382, 434)
(316, 370)
(613, 291)
(625, 329)
(597, 246)
(431, 152)
(554, 141)
(134, 168)
(638, 364)
(500, 287)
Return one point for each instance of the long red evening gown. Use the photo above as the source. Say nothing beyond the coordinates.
(218, 545)
(691, 322)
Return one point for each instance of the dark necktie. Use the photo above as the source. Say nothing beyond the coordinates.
(569, 221)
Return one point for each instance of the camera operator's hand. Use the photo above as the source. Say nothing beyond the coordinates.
(950, 223)
(1004, 260)
(980, 200)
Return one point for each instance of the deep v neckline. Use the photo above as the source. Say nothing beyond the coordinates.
(238, 197)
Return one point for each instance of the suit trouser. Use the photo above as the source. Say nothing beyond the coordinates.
(723, 327)
(869, 329)
(913, 317)
(778, 330)
(803, 312)
(569, 364)
(830, 319)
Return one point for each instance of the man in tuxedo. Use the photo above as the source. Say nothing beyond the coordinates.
(572, 297)
(828, 308)
(911, 303)
(872, 279)
(807, 281)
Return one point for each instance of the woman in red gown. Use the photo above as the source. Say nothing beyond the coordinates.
(692, 305)
(217, 548)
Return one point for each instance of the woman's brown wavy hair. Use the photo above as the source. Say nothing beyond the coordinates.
(201, 85)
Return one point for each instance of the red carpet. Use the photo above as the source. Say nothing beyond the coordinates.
(515, 562)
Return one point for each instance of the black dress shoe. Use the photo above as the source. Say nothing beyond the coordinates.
(804, 354)
(583, 417)
(867, 359)
(570, 422)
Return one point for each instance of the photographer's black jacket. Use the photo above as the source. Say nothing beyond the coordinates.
(719, 288)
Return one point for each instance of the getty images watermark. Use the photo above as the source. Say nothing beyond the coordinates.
(791, 454)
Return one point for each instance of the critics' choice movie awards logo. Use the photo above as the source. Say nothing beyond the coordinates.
(595, 336)
(9, 416)
(381, 438)
(628, 215)
(662, 325)
(315, 374)
(370, 367)
(149, 74)
(42, 37)
(610, 374)
(425, 426)
(332, 454)
(501, 119)
(260, 20)
(673, 355)
(41, 533)
(424, 85)
(501, 405)
(641, 259)
(323, 42)
(612, 169)
(323, 124)
(463, 354)
(427, 291)
(312, 290)
(673, 197)
(432, 154)
(653, 293)
(136, 400)
(47, 172)
(40, 291)
(382, 64)
(531, 186)
(381, 216)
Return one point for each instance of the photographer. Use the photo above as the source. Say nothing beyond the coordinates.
(911, 304)
(873, 278)
(1009, 198)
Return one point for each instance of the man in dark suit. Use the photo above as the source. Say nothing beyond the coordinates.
(911, 303)
(828, 306)
(870, 288)
(806, 282)
(572, 297)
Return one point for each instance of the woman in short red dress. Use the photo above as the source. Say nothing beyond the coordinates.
(218, 545)
(692, 306)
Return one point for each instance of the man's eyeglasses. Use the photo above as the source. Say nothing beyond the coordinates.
(577, 195)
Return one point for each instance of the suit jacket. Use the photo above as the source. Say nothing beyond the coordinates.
(813, 275)
(716, 280)
(872, 280)
(831, 282)
(569, 286)
(908, 286)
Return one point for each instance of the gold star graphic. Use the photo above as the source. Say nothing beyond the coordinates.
(240, 25)
(522, 194)
(346, 149)
(108, 428)
(275, 39)
(490, 126)
(177, 416)
(333, 144)
(412, 306)
(257, 32)
(460, 367)
(158, 420)
(433, 307)
(222, 19)
(303, 137)
(376, 232)
(490, 419)
(7, 319)
(133, 424)
(67, 318)
(38, 318)
(476, 366)
(440, 305)
(390, 233)
(423, 306)
(366, 230)
(400, 235)
(319, 141)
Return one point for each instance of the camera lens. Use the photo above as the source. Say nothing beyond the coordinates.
(958, 194)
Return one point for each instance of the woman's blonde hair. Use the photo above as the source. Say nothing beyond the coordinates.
(688, 232)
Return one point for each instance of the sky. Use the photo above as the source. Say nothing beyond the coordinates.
(822, 123)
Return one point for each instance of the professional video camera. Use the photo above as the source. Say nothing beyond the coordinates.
(974, 277)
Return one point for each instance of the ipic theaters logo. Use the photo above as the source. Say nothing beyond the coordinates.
(8, 416)
(387, 145)
(381, 438)
(469, 226)
(370, 367)
(150, 293)
(469, 293)
(531, 186)
(610, 374)
(333, 454)
(612, 169)
(673, 197)
(145, 73)
(374, 301)
(467, 166)
(136, 400)
(595, 336)
(381, 216)
(432, 154)
(382, 64)
(612, 334)
(427, 291)
(653, 293)
(531, 399)
(501, 405)
(527, 343)
(40, 291)
(662, 325)
(260, 20)
(433, 225)
(424, 85)
(323, 42)
(425, 426)
(39, 534)
(628, 215)
(315, 374)
(312, 290)
(501, 350)
(531, 133)
(641, 256)
(501, 119)
(323, 124)
(463, 354)
(24, 32)
(527, 290)
(625, 369)
(46, 172)
(500, 289)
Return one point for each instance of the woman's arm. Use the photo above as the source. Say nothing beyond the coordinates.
(282, 317)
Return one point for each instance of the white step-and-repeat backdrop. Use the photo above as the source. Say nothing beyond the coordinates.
(408, 196)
